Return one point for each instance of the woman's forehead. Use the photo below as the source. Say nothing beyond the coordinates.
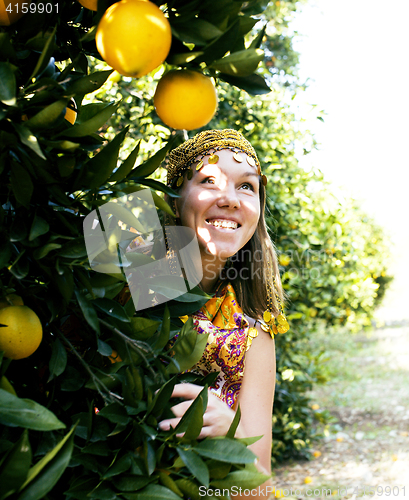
(226, 160)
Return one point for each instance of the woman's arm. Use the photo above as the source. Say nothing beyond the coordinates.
(257, 395)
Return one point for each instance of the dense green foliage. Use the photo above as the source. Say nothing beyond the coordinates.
(99, 416)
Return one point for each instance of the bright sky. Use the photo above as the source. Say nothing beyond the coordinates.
(356, 54)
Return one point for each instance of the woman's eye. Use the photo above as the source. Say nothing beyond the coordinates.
(247, 185)
(208, 180)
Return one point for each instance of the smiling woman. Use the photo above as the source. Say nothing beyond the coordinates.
(222, 197)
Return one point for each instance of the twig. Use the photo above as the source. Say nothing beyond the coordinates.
(95, 379)
(135, 344)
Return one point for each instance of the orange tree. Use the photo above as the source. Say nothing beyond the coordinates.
(77, 419)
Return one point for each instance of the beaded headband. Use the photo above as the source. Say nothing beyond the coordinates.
(181, 158)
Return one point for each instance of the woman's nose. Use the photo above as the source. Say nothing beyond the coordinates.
(228, 198)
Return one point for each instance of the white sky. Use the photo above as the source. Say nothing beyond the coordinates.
(356, 53)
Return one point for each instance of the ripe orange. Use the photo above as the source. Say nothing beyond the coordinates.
(71, 111)
(89, 4)
(22, 333)
(134, 37)
(185, 99)
(284, 260)
(14, 11)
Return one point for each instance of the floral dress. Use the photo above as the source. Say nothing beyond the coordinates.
(230, 336)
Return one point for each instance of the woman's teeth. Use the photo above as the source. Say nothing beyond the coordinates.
(227, 224)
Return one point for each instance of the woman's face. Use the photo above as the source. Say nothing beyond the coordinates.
(221, 203)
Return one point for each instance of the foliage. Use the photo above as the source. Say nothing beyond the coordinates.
(102, 377)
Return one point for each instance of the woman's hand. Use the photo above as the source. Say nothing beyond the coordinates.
(216, 419)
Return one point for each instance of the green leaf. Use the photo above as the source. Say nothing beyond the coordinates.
(152, 163)
(233, 426)
(197, 31)
(45, 56)
(183, 58)
(98, 170)
(149, 456)
(241, 478)
(103, 348)
(21, 183)
(38, 228)
(115, 413)
(130, 483)
(99, 448)
(74, 249)
(161, 204)
(44, 475)
(15, 466)
(188, 350)
(162, 397)
(89, 83)
(112, 308)
(152, 492)
(241, 63)
(121, 465)
(191, 489)
(58, 360)
(246, 24)
(16, 412)
(163, 338)
(192, 421)
(126, 166)
(80, 487)
(222, 44)
(29, 139)
(88, 311)
(195, 465)
(46, 118)
(7, 84)
(256, 42)
(40, 253)
(6, 49)
(143, 328)
(225, 450)
(93, 124)
(64, 281)
(253, 84)
(158, 186)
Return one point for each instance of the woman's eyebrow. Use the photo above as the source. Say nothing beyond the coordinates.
(249, 174)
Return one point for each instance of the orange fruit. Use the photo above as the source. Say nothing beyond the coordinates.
(89, 4)
(21, 333)
(185, 99)
(13, 12)
(133, 37)
(284, 260)
(71, 111)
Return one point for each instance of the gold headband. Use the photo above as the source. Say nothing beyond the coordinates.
(182, 157)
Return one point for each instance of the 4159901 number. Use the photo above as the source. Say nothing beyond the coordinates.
(32, 8)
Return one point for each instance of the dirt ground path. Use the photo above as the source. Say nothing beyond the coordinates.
(367, 452)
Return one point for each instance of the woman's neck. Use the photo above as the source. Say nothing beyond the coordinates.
(212, 268)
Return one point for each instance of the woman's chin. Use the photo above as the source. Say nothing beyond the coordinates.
(219, 252)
